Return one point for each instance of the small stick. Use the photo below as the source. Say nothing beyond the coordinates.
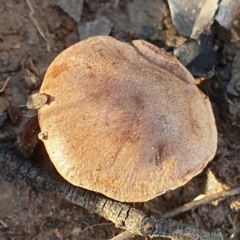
(197, 203)
(3, 223)
(5, 84)
(122, 215)
(36, 24)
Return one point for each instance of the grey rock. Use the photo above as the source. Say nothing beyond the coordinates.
(100, 26)
(191, 19)
(72, 7)
(227, 12)
(198, 56)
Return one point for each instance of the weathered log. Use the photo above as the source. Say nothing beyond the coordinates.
(124, 216)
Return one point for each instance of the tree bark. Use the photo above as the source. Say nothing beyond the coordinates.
(124, 216)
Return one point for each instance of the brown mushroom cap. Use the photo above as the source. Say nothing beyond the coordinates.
(125, 120)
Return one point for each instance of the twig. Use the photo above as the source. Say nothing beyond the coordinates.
(122, 215)
(3, 223)
(37, 25)
(122, 236)
(5, 84)
(236, 226)
(197, 203)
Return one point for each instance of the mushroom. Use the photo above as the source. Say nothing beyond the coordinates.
(125, 120)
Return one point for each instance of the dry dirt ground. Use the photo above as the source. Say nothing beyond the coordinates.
(30, 213)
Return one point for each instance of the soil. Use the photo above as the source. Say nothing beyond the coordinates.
(28, 44)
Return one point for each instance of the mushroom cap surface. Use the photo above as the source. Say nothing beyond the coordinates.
(125, 120)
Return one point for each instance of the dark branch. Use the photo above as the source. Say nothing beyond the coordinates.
(124, 216)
